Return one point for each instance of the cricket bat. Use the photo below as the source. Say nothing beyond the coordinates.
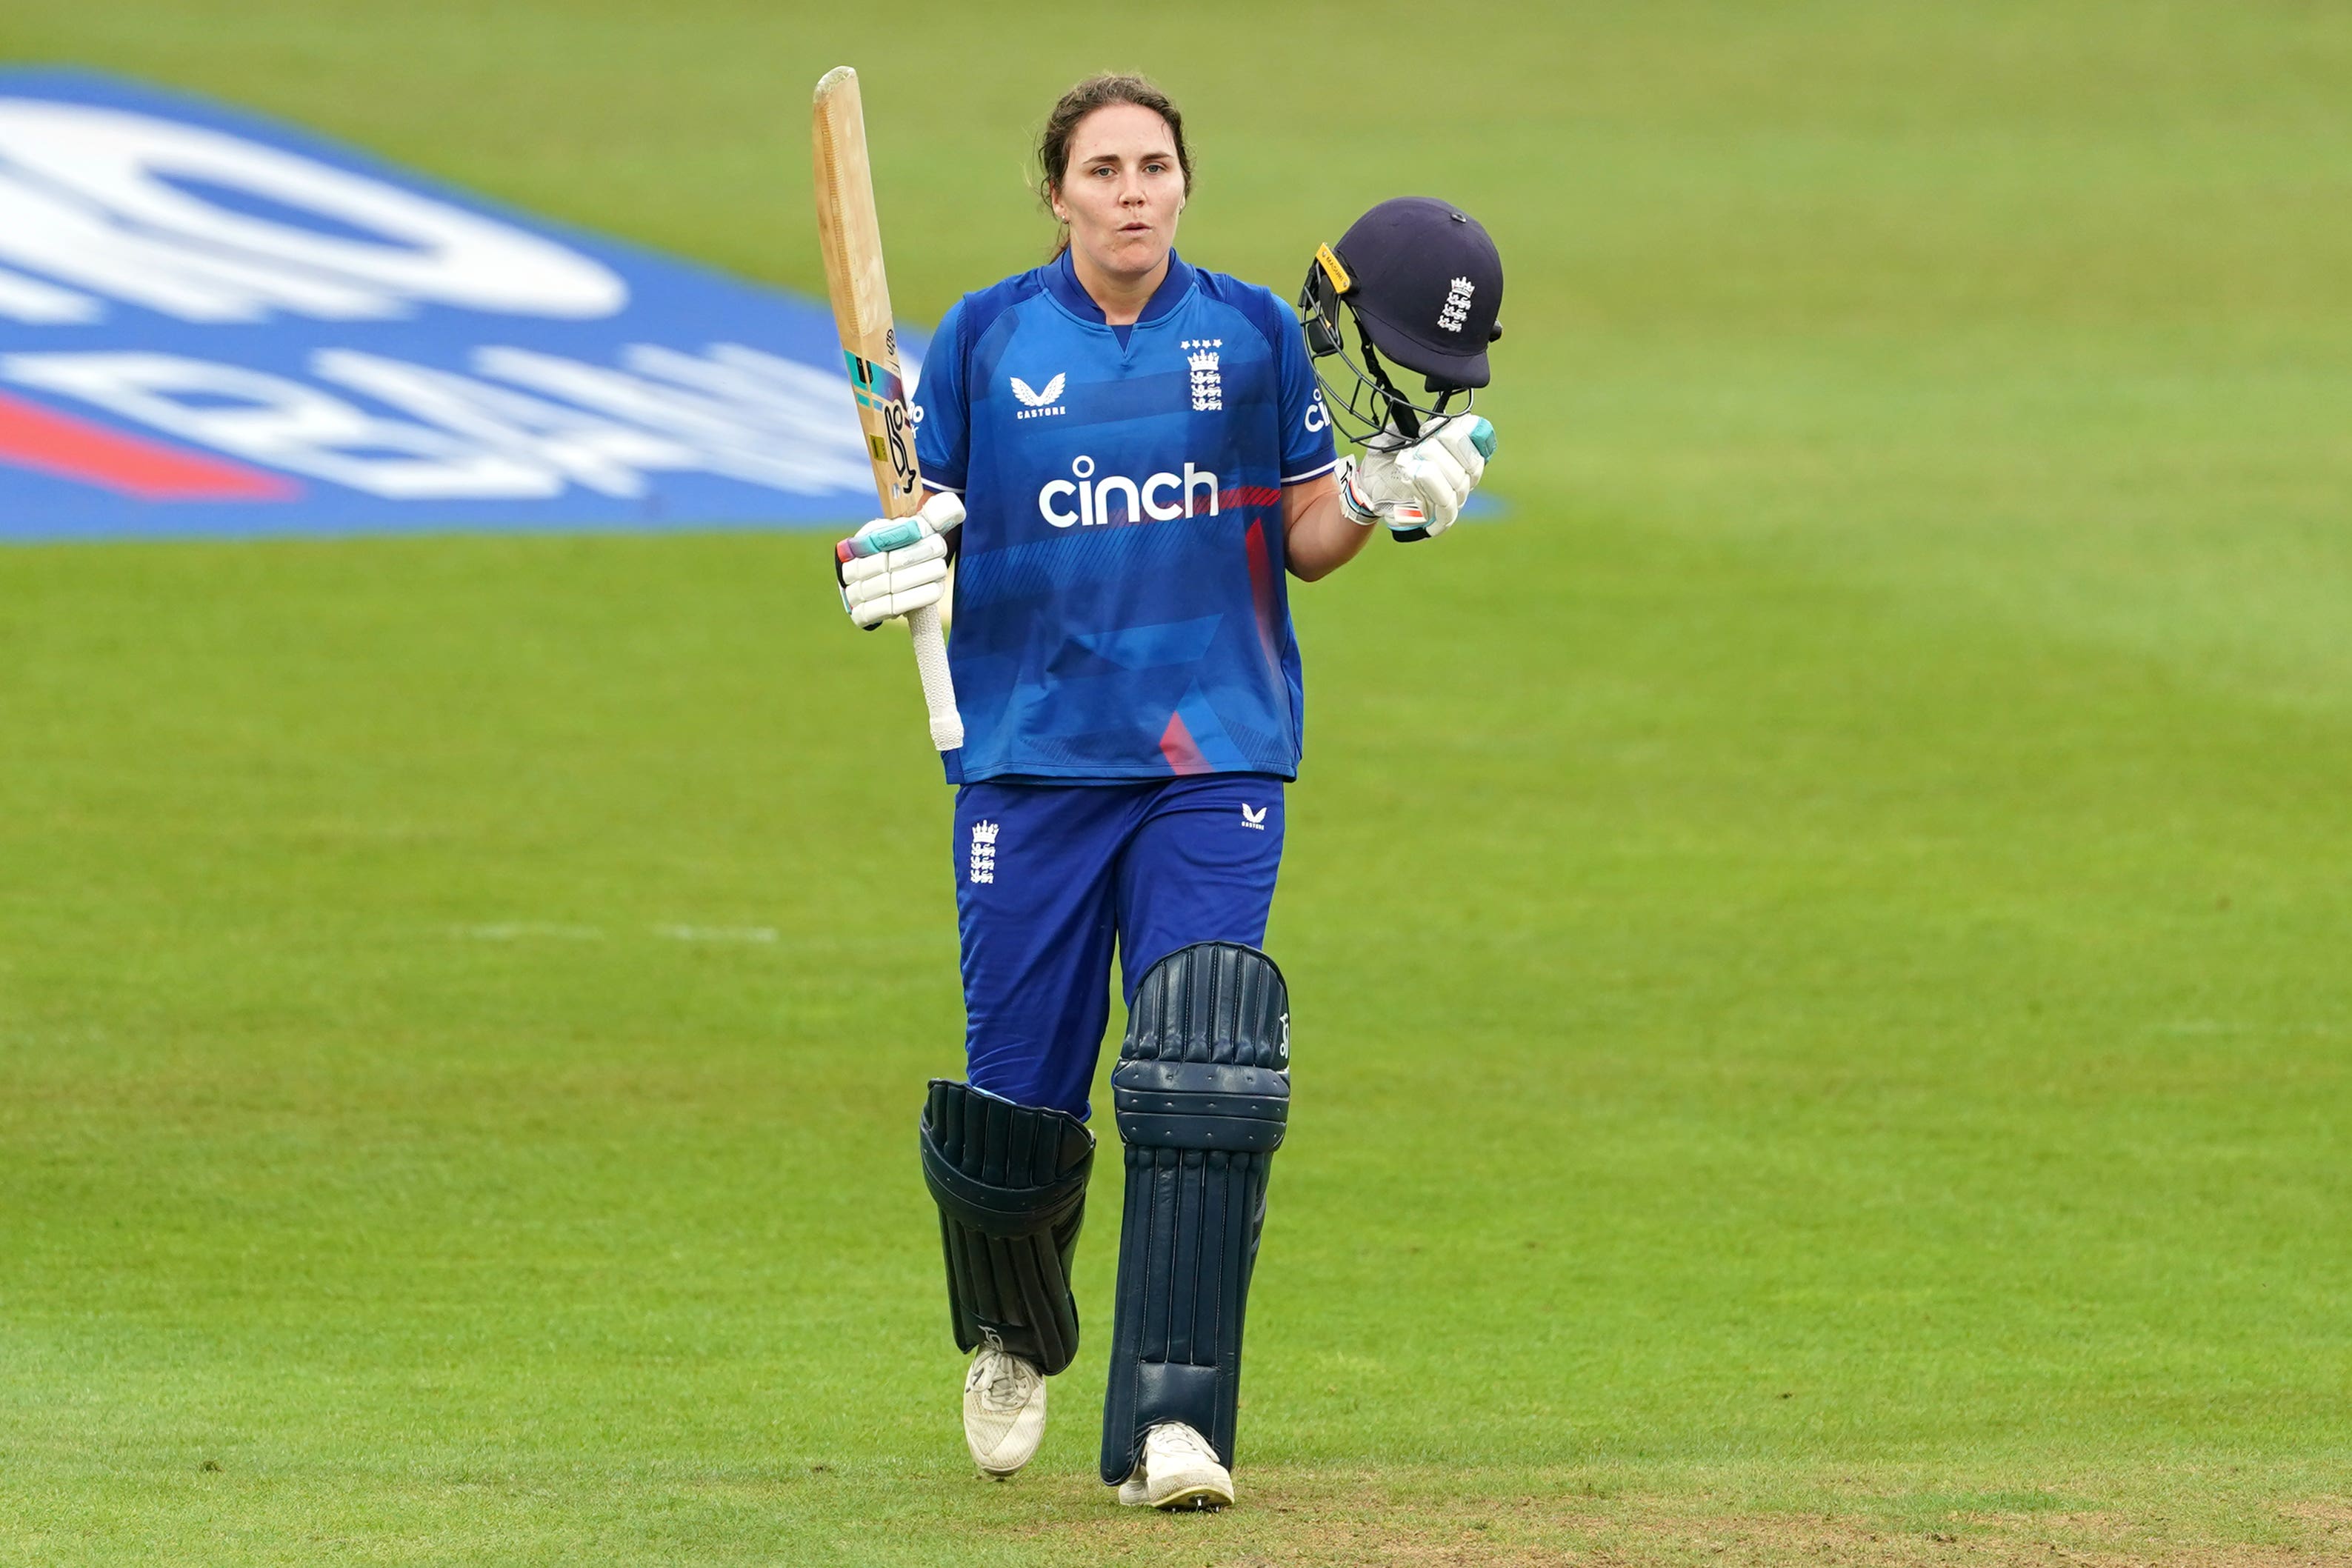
(852, 239)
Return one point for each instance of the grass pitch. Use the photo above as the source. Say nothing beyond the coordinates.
(1818, 945)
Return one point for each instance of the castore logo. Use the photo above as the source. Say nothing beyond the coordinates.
(1038, 404)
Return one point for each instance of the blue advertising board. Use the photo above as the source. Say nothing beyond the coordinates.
(214, 325)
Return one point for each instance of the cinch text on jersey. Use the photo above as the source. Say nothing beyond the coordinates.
(1142, 500)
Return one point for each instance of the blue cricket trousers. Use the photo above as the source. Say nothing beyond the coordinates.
(1051, 877)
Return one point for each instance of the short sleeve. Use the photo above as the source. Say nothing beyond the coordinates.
(1307, 449)
(942, 412)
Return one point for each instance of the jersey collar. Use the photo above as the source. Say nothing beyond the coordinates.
(1062, 283)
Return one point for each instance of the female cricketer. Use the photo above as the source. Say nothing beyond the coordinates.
(1127, 456)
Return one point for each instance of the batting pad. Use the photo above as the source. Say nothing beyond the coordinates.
(1011, 1184)
(1202, 1092)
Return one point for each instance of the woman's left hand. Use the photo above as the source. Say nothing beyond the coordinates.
(1418, 486)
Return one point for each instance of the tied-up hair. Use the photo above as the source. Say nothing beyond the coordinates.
(1099, 92)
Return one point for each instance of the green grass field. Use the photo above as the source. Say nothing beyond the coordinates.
(1810, 942)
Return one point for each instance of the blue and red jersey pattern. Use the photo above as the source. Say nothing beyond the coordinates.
(1122, 609)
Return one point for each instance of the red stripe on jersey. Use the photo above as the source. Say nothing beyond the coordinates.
(1261, 570)
(1249, 496)
(64, 447)
(1182, 752)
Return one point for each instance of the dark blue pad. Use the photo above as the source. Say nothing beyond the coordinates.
(1011, 1184)
(1202, 1092)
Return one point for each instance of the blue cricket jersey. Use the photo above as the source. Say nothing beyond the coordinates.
(1121, 609)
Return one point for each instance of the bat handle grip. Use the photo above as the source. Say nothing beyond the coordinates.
(938, 687)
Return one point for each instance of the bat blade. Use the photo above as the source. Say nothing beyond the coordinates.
(850, 233)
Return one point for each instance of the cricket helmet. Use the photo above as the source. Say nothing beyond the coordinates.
(1422, 283)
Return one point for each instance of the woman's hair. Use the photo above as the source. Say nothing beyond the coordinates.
(1099, 92)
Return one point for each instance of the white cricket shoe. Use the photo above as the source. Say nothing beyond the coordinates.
(1004, 1411)
(1179, 1470)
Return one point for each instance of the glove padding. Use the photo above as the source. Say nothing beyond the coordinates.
(1418, 486)
(894, 565)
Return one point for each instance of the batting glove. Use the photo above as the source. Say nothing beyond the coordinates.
(1417, 486)
(894, 565)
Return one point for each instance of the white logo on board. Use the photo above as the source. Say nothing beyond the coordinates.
(1457, 305)
(102, 205)
(1208, 390)
(1035, 405)
(518, 424)
(103, 210)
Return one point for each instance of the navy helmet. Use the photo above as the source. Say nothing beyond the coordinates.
(1423, 284)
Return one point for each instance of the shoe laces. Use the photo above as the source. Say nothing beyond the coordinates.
(1177, 1435)
(1006, 1382)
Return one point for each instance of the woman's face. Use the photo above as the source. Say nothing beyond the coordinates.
(1121, 189)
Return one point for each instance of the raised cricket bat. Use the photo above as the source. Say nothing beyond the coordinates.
(851, 238)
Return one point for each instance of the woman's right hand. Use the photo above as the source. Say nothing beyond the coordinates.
(894, 565)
